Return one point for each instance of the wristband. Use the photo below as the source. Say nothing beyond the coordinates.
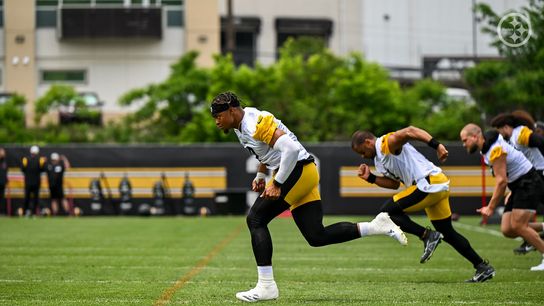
(278, 184)
(433, 143)
(260, 176)
(371, 178)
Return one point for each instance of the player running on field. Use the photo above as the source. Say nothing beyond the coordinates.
(294, 186)
(427, 188)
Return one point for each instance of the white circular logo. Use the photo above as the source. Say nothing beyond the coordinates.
(514, 29)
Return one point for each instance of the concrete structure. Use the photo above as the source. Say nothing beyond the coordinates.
(37, 54)
(39, 49)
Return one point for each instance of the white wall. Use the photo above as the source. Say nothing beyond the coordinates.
(113, 66)
(344, 14)
(418, 28)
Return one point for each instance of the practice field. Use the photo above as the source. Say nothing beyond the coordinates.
(205, 261)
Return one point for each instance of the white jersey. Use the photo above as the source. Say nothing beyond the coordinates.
(520, 140)
(409, 167)
(516, 163)
(256, 131)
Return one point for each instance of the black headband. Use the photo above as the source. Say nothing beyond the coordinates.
(217, 108)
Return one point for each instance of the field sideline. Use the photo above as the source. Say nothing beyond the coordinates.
(205, 261)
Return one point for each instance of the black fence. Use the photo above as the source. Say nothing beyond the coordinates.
(222, 175)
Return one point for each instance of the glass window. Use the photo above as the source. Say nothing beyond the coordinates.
(297, 27)
(69, 76)
(174, 18)
(172, 2)
(76, 1)
(246, 32)
(109, 2)
(46, 18)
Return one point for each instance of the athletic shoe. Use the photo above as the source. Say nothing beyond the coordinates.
(484, 271)
(383, 224)
(524, 248)
(259, 293)
(540, 267)
(430, 243)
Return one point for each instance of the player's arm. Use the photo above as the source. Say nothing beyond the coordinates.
(289, 157)
(382, 181)
(66, 162)
(501, 181)
(396, 140)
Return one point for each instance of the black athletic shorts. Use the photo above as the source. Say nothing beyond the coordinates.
(56, 192)
(526, 192)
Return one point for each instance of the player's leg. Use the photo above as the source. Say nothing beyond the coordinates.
(305, 202)
(397, 214)
(520, 224)
(260, 214)
(413, 200)
(484, 270)
(309, 219)
(27, 207)
(36, 200)
(55, 207)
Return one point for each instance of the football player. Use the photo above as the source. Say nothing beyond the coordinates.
(517, 129)
(427, 188)
(511, 168)
(294, 186)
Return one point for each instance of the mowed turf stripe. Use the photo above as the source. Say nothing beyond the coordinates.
(479, 229)
(168, 293)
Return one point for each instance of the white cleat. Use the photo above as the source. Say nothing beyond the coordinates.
(540, 267)
(259, 293)
(382, 224)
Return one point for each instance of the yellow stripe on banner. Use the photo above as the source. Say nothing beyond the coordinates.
(465, 181)
(206, 180)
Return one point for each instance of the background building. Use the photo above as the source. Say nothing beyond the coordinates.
(111, 46)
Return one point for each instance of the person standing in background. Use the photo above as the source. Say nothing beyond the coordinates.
(55, 176)
(3, 180)
(32, 166)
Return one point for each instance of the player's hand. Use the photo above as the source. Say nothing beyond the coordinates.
(271, 192)
(364, 171)
(485, 211)
(442, 153)
(258, 185)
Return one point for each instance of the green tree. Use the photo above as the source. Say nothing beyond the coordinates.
(12, 118)
(57, 95)
(440, 114)
(518, 81)
(168, 106)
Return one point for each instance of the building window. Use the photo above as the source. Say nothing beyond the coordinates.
(295, 27)
(99, 2)
(174, 18)
(46, 18)
(63, 76)
(246, 31)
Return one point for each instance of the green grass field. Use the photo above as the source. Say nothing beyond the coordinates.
(205, 261)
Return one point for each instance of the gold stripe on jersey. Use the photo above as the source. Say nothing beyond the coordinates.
(495, 153)
(524, 134)
(266, 126)
(25, 161)
(385, 145)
